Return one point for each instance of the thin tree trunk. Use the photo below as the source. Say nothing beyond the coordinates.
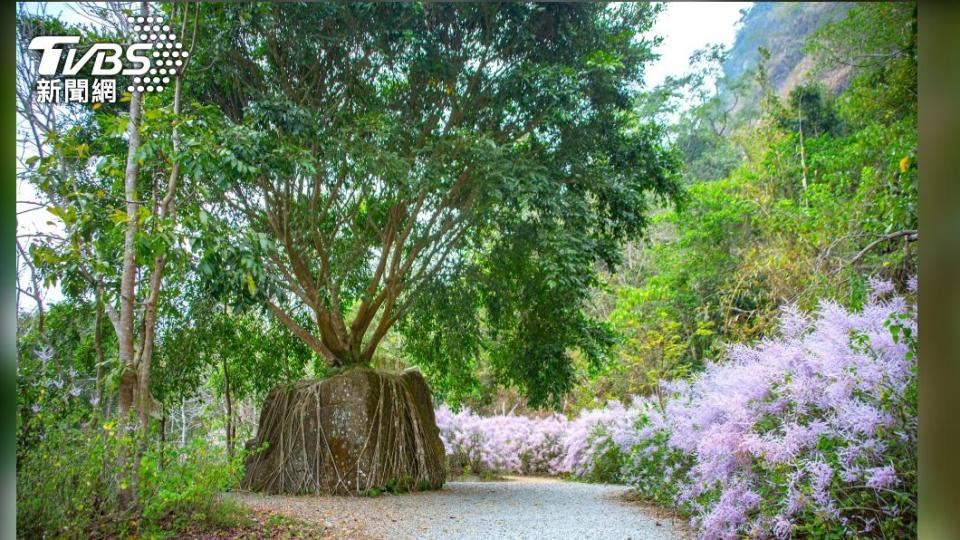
(128, 276)
(128, 285)
(35, 280)
(167, 208)
(98, 348)
(183, 424)
(803, 156)
(163, 438)
(226, 386)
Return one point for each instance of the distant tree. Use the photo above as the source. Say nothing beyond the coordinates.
(238, 353)
(810, 108)
(878, 41)
(703, 132)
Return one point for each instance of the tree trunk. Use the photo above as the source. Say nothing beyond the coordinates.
(163, 438)
(166, 209)
(347, 434)
(229, 403)
(183, 424)
(128, 285)
(98, 348)
(803, 154)
(128, 276)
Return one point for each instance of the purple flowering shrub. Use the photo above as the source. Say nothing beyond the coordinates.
(551, 445)
(813, 433)
(502, 443)
(598, 441)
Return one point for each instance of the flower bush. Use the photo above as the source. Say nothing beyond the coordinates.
(594, 446)
(813, 433)
(502, 443)
(598, 442)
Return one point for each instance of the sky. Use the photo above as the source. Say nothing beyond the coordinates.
(684, 26)
(688, 26)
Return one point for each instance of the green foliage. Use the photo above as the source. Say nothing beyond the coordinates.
(258, 353)
(72, 461)
(68, 481)
(719, 268)
(491, 172)
(880, 43)
(701, 134)
(809, 108)
(81, 177)
(280, 526)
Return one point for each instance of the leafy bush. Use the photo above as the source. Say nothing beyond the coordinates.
(70, 481)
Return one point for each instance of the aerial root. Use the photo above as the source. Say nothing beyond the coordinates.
(304, 457)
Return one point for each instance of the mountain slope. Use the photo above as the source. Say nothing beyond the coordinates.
(783, 28)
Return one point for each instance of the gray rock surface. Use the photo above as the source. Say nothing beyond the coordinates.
(347, 434)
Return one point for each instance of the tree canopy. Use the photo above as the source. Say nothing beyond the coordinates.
(456, 171)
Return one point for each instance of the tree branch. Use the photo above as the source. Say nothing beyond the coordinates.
(911, 235)
(303, 334)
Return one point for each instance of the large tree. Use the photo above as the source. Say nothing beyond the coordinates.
(457, 169)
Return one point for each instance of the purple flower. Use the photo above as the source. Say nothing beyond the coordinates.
(781, 527)
(879, 288)
(45, 354)
(35, 408)
(881, 477)
(792, 321)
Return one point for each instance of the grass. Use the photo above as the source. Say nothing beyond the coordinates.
(236, 521)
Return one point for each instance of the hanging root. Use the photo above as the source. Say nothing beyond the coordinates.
(347, 435)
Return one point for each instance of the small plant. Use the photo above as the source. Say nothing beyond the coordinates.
(404, 484)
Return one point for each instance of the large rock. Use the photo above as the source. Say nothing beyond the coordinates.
(345, 435)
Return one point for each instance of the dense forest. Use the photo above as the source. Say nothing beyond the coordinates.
(705, 290)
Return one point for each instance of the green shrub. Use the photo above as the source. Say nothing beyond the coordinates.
(69, 483)
(608, 462)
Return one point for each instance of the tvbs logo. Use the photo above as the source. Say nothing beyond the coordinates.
(151, 60)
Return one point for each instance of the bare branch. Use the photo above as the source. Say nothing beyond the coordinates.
(910, 234)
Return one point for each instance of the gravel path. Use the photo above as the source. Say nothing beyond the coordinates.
(520, 507)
